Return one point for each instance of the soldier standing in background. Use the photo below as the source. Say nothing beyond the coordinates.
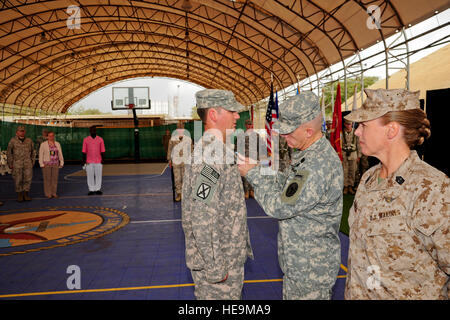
(179, 149)
(351, 154)
(306, 199)
(21, 158)
(285, 154)
(251, 137)
(214, 214)
(328, 124)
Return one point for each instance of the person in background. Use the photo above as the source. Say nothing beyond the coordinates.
(93, 153)
(50, 160)
(179, 149)
(21, 158)
(285, 154)
(351, 154)
(399, 221)
(251, 137)
(328, 124)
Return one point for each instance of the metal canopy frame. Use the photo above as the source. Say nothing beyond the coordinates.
(235, 45)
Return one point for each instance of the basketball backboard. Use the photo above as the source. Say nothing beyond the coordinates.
(125, 98)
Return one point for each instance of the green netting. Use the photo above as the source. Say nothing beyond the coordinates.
(119, 142)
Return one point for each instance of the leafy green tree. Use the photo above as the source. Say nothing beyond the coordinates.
(351, 83)
(194, 114)
(82, 111)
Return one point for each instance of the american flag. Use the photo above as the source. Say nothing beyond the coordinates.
(271, 114)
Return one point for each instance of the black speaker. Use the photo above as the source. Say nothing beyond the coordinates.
(435, 148)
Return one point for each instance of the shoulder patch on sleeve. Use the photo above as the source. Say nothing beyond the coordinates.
(294, 187)
(205, 184)
(210, 173)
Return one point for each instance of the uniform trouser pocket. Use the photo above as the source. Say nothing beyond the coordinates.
(230, 289)
(298, 289)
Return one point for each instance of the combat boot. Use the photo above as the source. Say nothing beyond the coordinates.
(351, 190)
(178, 198)
(246, 194)
(252, 194)
(19, 196)
(345, 190)
(26, 197)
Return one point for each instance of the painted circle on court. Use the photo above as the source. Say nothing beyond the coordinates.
(31, 230)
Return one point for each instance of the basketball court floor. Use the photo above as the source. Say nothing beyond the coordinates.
(125, 244)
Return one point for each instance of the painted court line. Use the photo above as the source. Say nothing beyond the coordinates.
(122, 195)
(16, 295)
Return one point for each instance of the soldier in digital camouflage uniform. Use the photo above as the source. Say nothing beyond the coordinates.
(214, 214)
(306, 199)
(178, 152)
(21, 158)
(399, 221)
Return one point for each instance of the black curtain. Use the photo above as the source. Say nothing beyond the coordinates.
(434, 149)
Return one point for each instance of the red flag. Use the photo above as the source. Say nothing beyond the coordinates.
(336, 128)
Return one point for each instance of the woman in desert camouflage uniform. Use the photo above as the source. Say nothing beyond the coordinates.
(399, 221)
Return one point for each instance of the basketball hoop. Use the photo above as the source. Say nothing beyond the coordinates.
(130, 98)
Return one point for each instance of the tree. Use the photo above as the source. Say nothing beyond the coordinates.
(82, 111)
(351, 83)
(194, 114)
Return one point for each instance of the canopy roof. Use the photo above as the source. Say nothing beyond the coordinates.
(238, 45)
(428, 73)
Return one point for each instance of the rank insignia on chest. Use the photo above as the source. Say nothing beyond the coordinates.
(399, 179)
(294, 187)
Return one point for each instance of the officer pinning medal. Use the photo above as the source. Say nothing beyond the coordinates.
(306, 198)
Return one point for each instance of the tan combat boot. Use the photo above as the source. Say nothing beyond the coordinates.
(20, 196)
